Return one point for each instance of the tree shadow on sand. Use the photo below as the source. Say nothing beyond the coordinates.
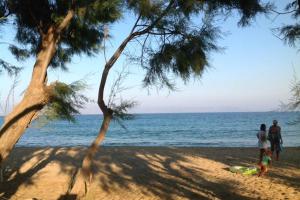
(158, 173)
(23, 171)
(138, 172)
(289, 161)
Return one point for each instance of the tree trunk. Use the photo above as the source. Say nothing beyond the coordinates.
(84, 176)
(78, 184)
(36, 95)
(34, 100)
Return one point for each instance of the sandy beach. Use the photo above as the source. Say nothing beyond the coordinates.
(151, 173)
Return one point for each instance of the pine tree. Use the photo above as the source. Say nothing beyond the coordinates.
(291, 33)
(52, 31)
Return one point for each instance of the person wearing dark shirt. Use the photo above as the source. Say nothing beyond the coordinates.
(275, 138)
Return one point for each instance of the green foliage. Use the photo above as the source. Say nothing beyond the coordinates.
(176, 36)
(20, 54)
(184, 57)
(83, 36)
(119, 107)
(3, 12)
(294, 6)
(294, 104)
(120, 111)
(148, 9)
(291, 33)
(296, 97)
(247, 9)
(65, 101)
(9, 68)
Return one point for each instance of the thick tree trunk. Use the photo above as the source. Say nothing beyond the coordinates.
(34, 100)
(36, 95)
(84, 176)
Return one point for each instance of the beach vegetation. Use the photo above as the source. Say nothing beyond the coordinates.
(65, 101)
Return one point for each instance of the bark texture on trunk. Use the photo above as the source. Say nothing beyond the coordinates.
(34, 100)
(36, 95)
(84, 175)
(79, 185)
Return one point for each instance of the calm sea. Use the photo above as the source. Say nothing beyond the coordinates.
(184, 129)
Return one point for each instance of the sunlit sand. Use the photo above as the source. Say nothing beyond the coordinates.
(151, 173)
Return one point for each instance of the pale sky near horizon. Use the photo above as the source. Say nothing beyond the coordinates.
(253, 73)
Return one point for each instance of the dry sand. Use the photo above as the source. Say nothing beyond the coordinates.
(127, 173)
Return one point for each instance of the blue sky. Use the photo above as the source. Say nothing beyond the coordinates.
(253, 73)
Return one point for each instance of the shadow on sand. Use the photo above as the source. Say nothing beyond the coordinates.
(163, 173)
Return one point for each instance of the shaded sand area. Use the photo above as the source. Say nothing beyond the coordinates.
(151, 173)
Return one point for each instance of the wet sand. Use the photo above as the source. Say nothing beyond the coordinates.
(151, 173)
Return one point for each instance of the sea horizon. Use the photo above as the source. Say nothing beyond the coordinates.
(187, 112)
(222, 129)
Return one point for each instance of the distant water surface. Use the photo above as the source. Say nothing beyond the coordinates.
(176, 129)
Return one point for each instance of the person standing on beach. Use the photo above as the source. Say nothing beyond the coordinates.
(262, 141)
(275, 138)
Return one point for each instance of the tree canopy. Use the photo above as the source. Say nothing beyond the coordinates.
(180, 47)
(176, 36)
(52, 31)
(11, 69)
(291, 32)
(32, 21)
(84, 34)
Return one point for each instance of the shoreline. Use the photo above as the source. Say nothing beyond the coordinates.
(137, 172)
(207, 112)
(153, 146)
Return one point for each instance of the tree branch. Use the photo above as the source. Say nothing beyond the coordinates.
(105, 72)
(118, 52)
(135, 24)
(157, 20)
(65, 21)
(5, 16)
(283, 13)
(143, 47)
